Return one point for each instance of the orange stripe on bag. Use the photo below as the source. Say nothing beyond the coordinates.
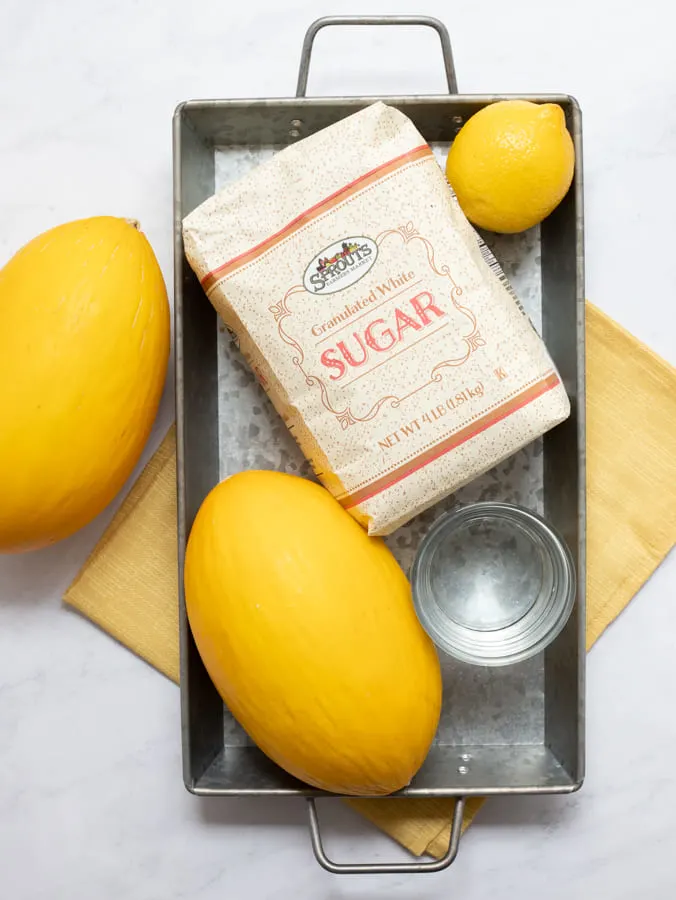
(451, 442)
(212, 278)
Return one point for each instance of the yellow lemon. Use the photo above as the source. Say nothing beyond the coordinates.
(511, 164)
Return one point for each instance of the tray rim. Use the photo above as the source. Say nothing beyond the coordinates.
(182, 112)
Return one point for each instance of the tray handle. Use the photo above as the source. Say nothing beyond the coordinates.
(437, 865)
(427, 21)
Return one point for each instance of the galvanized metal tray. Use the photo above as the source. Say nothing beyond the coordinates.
(514, 730)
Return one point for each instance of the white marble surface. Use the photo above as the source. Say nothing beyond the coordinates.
(91, 799)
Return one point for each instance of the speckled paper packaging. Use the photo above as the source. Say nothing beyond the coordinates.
(382, 329)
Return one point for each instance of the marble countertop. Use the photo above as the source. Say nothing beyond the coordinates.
(92, 803)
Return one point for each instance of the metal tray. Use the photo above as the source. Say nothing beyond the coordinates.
(503, 731)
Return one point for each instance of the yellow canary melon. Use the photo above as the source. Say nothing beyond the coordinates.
(307, 629)
(84, 345)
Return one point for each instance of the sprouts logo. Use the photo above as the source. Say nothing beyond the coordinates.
(339, 265)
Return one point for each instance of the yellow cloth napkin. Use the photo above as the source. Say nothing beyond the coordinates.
(129, 584)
